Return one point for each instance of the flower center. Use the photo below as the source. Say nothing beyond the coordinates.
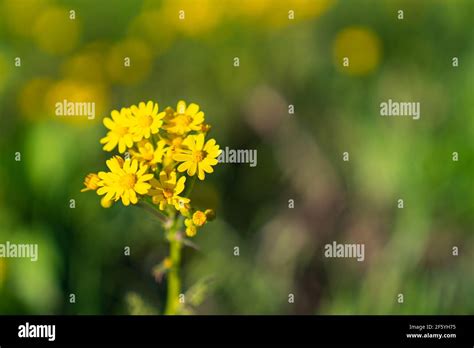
(183, 120)
(199, 155)
(121, 131)
(168, 193)
(145, 121)
(127, 181)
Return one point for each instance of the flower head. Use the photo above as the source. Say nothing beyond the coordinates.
(199, 218)
(167, 190)
(148, 154)
(185, 119)
(90, 182)
(146, 120)
(119, 131)
(125, 180)
(198, 157)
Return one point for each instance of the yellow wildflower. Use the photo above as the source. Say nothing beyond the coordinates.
(90, 182)
(119, 131)
(148, 154)
(125, 180)
(198, 157)
(146, 120)
(185, 119)
(166, 190)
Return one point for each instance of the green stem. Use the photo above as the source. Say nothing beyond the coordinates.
(174, 282)
(190, 186)
(145, 205)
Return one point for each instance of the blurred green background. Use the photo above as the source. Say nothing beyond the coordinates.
(282, 61)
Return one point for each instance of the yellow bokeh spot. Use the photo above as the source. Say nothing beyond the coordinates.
(278, 13)
(154, 28)
(357, 51)
(18, 15)
(192, 17)
(54, 32)
(31, 98)
(129, 61)
(87, 66)
(77, 92)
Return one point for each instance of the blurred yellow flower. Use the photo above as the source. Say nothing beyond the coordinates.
(18, 14)
(146, 120)
(124, 182)
(167, 190)
(129, 61)
(75, 91)
(361, 47)
(54, 32)
(88, 65)
(31, 98)
(154, 27)
(119, 131)
(192, 17)
(198, 157)
(185, 119)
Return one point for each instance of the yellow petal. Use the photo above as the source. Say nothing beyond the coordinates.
(108, 123)
(192, 109)
(181, 157)
(133, 196)
(184, 166)
(192, 169)
(134, 166)
(199, 141)
(181, 107)
(200, 173)
(180, 185)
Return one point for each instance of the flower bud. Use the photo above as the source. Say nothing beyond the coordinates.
(210, 214)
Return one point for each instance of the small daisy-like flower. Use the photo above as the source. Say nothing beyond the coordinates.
(119, 131)
(198, 157)
(124, 181)
(90, 182)
(185, 119)
(146, 120)
(166, 191)
(148, 154)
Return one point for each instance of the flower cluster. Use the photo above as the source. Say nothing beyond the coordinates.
(163, 153)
